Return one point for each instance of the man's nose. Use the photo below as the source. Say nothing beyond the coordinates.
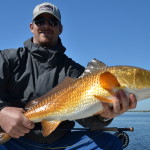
(46, 24)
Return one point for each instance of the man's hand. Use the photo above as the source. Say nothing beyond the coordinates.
(13, 122)
(121, 104)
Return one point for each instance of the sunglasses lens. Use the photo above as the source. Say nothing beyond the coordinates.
(53, 22)
(39, 22)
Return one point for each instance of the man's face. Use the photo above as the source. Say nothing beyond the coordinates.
(45, 34)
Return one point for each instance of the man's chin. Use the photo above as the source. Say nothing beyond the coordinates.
(45, 40)
(45, 43)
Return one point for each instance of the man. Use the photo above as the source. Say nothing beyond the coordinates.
(29, 72)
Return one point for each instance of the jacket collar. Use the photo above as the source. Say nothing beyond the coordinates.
(42, 52)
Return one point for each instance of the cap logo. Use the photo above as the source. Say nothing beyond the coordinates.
(46, 8)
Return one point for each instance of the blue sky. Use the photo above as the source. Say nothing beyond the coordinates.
(116, 32)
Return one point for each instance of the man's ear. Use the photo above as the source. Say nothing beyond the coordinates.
(31, 27)
(60, 29)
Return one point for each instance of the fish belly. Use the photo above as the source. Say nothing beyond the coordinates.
(84, 110)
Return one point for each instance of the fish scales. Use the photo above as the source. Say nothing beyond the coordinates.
(132, 77)
(59, 104)
(80, 98)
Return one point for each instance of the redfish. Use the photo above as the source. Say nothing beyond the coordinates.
(74, 99)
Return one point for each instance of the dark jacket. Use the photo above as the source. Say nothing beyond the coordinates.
(31, 71)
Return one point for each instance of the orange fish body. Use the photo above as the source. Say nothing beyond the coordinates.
(75, 101)
(80, 98)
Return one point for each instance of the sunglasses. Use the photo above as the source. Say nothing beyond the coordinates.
(41, 21)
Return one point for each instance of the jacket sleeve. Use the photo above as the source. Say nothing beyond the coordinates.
(4, 78)
(94, 122)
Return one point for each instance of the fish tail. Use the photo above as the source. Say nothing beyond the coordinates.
(4, 137)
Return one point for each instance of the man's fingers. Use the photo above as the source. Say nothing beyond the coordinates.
(124, 101)
(16, 132)
(27, 123)
(116, 106)
(23, 129)
(133, 101)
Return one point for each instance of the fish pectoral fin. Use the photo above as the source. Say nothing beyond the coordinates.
(103, 99)
(49, 126)
(109, 82)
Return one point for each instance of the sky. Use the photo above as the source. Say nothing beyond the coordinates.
(116, 32)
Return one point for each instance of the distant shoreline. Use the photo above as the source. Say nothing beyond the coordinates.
(138, 111)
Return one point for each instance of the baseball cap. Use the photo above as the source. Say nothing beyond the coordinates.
(46, 7)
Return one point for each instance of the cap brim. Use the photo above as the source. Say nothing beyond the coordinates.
(45, 13)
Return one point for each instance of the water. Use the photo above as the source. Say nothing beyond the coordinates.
(140, 137)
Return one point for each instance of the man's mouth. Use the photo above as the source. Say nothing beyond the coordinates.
(45, 32)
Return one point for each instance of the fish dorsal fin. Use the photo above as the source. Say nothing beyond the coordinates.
(109, 82)
(49, 126)
(56, 89)
(93, 65)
